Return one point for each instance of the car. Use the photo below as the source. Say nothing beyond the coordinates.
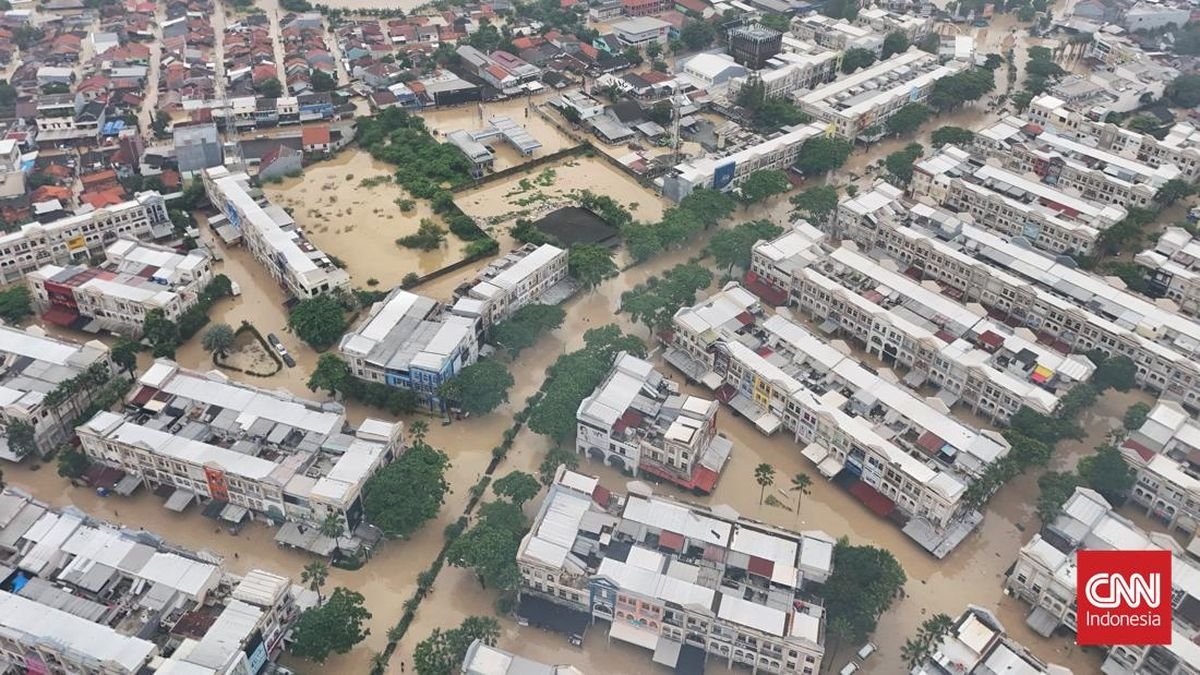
(867, 650)
(849, 669)
(283, 352)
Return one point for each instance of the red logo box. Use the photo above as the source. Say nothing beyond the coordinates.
(1123, 597)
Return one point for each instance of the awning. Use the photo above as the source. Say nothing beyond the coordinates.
(711, 380)
(1042, 374)
(873, 499)
(127, 485)
(627, 632)
(768, 424)
(671, 540)
(666, 652)
(60, 316)
(830, 466)
(815, 452)
(233, 513)
(1042, 622)
(179, 499)
(541, 613)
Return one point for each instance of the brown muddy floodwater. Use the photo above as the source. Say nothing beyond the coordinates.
(360, 224)
(475, 116)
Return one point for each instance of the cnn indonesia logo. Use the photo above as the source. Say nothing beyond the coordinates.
(1123, 597)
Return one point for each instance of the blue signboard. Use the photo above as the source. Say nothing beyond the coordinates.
(723, 175)
(256, 652)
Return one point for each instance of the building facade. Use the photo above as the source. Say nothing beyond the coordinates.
(1173, 269)
(752, 46)
(726, 173)
(522, 277)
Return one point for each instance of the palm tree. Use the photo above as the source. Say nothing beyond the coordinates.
(418, 430)
(218, 340)
(802, 486)
(315, 573)
(764, 475)
(379, 662)
(332, 526)
(931, 633)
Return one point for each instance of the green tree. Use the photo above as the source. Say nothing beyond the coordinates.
(1056, 487)
(442, 652)
(764, 475)
(319, 321)
(1107, 473)
(1174, 190)
(72, 463)
(526, 326)
(314, 576)
(952, 135)
(323, 81)
(734, 247)
(15, 304)
(894, 43)
(1117, 372)
(331, 628)
(1135, 416)
(1185, 91)
(490, 547)
(517, 486)
(410, 491)
(269, 88)
(429, 235)
(218, 340)
(124, 354)
(856, 58)
(655, 301)
(817, 203)
(929, 636)
(21, 438)
(802, 486)
(333, 525)
(697, 35)
(908, 119)
(900, 163)
(864, 582)
(558, 456)
(931, 43)
(1021, 99)
(591, 264)
(479, 388)
(331, 374)
(822, 154)
(763, 184)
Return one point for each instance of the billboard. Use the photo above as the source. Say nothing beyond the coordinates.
(76, 244)
(723, 175)
(256, 652)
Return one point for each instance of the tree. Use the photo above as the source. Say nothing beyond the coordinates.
(517, 486)
(802, 486)
(1174, 190)
(72, 462)
(1135, 416)
(952, 135)
(864, 582)
(124, 354)
(764, 184)
(558, 456)
(931, 633)
(908, 119)
(332, 628)
(1107, 473)
(314, 575)
(1117, 372)
(269, 88)
(591, 264)
(480, 387)
(655, 301)
(330, 374)
(1021, 99)
(319, 321)
(218, 340)
(1056, 487)
(443, 651)
(410, 491)
(855, 58)
(490, 547)
(1185, 91)
(15, 304)
(526, 326)
(817, 203)
(733, 247)
(894, 43)
(21, 437)
(323, 81)
(697, 35)
(821, 154)
(429, 235)
(931, 43)
(900, 163)
(764, 475)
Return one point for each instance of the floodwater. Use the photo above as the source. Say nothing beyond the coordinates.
(360, 224)
(474, 116)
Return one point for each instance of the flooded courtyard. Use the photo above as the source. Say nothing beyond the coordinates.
(521, 109)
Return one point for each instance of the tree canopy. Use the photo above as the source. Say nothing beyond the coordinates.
(822, 154)
(1107, 473)
(1185, 91)
(697, 35)
(442, 652)
(591, 264)
(928, 638)
(409, 492)
(763, 184)
(1135, 416)
(423, 165)
(319, 321)
(331, 628)
(517, 486)
(908, 119)
(895, 42)
(480, 387)
(900, 163)
(218, 339)
(864, 582)
(855, 58)
(15, 304)
(490, 547)
(735, 246)
(952, 135)
(654, 302)
(968, 86)
(1056, 487)
(816, 203)
(525, 326)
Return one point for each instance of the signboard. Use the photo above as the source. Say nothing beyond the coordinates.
(256, 652)
(217, 487)
(723, 175)
(76, 243)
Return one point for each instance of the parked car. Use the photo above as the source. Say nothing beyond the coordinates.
(849, 669)
(867, 650)
(283, 352)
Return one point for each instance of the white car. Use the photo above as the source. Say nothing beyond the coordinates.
(867, 650)
(850, 669)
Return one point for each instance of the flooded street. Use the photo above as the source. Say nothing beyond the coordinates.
(359, 224)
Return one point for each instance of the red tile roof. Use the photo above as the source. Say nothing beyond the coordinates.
(315, 135)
